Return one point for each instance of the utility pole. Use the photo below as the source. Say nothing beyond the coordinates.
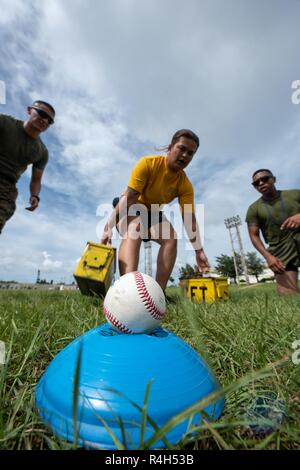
(242, 251)
(234, 223)
(234, 257)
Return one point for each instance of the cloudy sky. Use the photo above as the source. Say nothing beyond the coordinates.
(124, 75)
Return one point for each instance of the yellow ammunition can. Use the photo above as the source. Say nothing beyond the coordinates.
(95, 271)
(205, 289)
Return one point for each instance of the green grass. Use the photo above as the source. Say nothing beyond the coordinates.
(247, 341)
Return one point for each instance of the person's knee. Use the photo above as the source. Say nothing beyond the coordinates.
(287, 283)
(287, 291)
(174, 243)
(171, 243)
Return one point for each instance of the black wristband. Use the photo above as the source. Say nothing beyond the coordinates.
(37, 197)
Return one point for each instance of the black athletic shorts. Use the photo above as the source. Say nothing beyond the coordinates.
(292, 266)
(153, 217)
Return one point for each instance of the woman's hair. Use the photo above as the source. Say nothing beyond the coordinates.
(181, 133)
(185, 133)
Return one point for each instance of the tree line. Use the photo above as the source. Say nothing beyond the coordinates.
(225, 266)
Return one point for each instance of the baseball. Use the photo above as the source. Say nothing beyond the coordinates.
(135, 304)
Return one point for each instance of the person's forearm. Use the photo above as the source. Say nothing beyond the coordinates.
(193, 231)
(292, 222)
(258, 244)
(35, 188)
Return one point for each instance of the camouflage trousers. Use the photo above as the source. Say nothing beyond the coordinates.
(8, 196)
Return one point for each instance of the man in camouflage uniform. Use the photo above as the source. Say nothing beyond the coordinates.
(276, 214)
(20, 146)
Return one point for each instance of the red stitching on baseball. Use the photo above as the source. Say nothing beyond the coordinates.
(146, 298)
(114, 321)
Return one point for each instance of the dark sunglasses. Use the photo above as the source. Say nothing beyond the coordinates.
(263, 179)
(43, 115)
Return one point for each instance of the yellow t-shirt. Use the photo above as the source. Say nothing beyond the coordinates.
(157, 184)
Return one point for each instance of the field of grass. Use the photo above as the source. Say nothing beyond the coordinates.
(247, 341)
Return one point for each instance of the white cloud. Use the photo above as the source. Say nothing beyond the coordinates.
(165, 65)
(12, 10)
(49, 242)
(48, 265)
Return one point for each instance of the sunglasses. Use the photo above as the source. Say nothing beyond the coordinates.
(43, 115)
(263, 179)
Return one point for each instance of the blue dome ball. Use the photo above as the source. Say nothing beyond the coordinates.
(114, 372)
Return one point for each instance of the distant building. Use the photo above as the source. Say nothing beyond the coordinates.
(22, 286)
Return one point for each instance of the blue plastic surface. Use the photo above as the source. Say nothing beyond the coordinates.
(114, 373)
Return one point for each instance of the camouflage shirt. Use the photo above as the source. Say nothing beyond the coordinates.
(269, 216)
(18, 149)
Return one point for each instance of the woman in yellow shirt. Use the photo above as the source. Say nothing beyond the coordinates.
(155, 181)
